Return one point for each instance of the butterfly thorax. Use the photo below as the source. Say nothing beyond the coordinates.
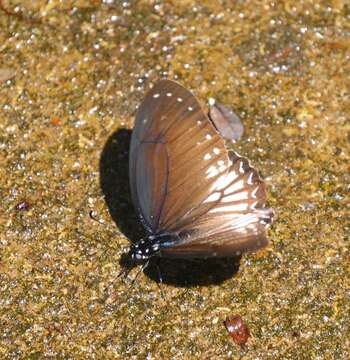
(151, 246)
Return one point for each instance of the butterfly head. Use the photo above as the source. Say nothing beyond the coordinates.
(144, 249)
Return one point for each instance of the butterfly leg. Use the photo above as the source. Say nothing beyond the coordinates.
(143, 267)
(160, 278)
(124, 272)
(126, 266)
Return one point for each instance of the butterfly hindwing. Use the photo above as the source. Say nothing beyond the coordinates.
(235, 221)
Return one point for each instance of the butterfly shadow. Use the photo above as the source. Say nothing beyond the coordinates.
(193, 272)
(114, 182)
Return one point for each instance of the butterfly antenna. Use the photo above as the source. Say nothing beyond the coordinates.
(93, 217)
(125, 272)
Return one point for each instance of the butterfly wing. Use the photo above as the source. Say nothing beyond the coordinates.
(174, 156)
(184, 181)
(236, 221)
(226, 122)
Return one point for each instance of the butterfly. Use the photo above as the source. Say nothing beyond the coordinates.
(194, 197)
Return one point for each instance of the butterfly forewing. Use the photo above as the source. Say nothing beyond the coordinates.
(151, 181)
(171, 122)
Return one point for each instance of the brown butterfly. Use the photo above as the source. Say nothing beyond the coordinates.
(195, 198)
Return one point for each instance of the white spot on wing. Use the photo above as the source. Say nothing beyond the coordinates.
(230, 208)
(179, 99)
(208, 136)
(213, 197)
(250, 178)
(226, 180)
(212, 171)
(236, 154)
(156, 96)
(207, 156)
(234, 187)
(241, 170)
(255, 191)
(236, 197)
(190, 108)
(216, 151)
(253, 205)
(169, 94)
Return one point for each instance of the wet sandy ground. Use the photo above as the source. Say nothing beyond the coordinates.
(71, 76)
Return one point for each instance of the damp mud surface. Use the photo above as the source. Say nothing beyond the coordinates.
(72, 74)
